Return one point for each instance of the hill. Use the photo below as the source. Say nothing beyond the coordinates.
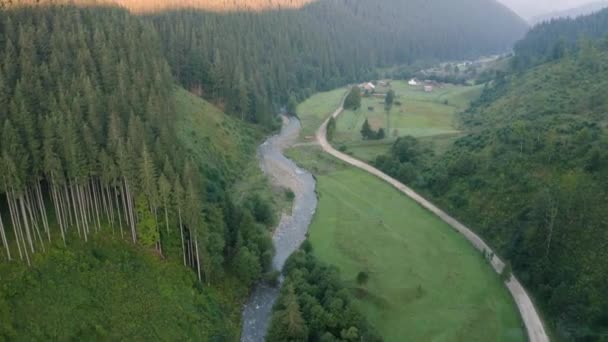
(321, 46)
(99, 147)
(109, 289)
(530, 9)
(585, 9)
(530, 176)
(553, 39)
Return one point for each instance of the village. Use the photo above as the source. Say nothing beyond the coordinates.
(380, 88)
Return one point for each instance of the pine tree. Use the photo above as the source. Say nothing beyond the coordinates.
(287, 323)
(366, 130)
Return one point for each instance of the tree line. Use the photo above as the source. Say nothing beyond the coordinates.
(253, 63)
(316, 305)
(552, 40)
(88, 145)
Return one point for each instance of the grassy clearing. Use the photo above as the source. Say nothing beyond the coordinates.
(420, 114)
(109, 289)
(225, 149)
(222, 145)
(426, 282)
(316, 109)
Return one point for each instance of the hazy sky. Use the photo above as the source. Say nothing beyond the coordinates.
(531, 8)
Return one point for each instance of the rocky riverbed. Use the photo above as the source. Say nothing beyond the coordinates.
(292, 229)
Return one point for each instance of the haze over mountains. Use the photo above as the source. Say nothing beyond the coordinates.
(572, 12)
(529, 9)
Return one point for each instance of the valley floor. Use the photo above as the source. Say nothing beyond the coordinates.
(426, 281)
(429, 116)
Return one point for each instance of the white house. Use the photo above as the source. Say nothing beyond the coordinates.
(413, 82)
(368, 87)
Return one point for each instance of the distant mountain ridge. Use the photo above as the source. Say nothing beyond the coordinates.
(550, 40)
(572, 12)
(151, 6)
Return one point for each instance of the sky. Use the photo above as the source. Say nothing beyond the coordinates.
(531, 8)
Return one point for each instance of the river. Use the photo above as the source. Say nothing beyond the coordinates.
(292, 229)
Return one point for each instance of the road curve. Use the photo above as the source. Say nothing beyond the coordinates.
(534, 325)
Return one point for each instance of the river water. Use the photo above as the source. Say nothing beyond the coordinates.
(292, 229)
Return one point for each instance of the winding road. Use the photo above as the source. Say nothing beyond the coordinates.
(534, 325)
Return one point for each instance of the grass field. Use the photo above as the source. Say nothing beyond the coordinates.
(426, 282)
(420, 114)
(225, 147)
(316, 109)
(218, 142)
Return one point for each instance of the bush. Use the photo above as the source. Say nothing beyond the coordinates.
(289, 195)
(261, 210)
(353, 100)
(362, 278)
(331, 129)
(272, 278)
(247, 266)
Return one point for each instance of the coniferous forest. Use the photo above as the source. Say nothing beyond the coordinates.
(87, 133)
(91, 158)
(89, 148)
(255, 62)
(551, 40)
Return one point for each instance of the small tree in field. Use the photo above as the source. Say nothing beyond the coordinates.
(389, 99)
(353, 99)
(362, 278)
(331, 129)
(366, 130)
(388, 105)
(292, 104)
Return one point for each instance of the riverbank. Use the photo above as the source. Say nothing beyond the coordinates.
(292, 229)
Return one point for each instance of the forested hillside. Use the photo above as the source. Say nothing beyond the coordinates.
(322, 45)
(93, 148)
(586, 9)
(553, 39)
(147, 6)
(315, 46)
(531, 177)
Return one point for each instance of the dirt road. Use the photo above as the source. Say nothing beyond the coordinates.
(534, 326)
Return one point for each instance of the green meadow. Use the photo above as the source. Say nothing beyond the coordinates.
(426, 282)
(428, 116)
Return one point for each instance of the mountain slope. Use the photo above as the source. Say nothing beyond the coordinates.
(551, 40)
(530, 9)
(531, 177)
(252, 63)
(148, 6)
(93, 153)
(109, 289)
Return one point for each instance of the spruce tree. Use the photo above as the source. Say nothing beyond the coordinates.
(366, 130)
